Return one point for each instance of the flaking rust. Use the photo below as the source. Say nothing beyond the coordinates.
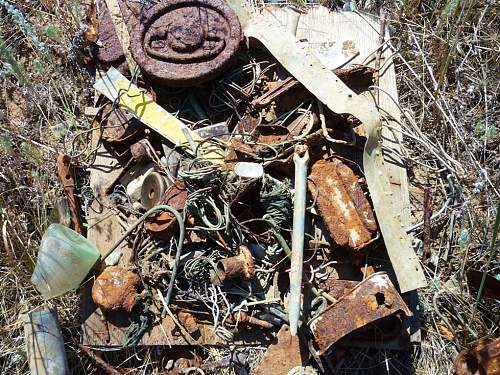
(342, 204)
(371, 300)
(484, 358)
(182, 43)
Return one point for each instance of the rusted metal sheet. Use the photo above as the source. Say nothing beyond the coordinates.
(342, 204)
(483, 359)
(109, 49)
(372, 299)
(283, 356)
(164, 225)
(183, 42)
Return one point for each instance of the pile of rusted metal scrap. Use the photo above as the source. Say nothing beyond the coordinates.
(240, 195)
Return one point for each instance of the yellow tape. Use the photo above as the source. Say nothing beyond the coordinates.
(118, 88)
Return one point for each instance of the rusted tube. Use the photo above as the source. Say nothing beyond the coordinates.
(235, 267)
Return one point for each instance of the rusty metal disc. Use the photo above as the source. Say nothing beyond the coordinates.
(186, 42)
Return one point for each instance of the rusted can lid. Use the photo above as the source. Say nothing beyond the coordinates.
(184, 42)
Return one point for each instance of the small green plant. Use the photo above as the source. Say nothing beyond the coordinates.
(6, 146)
(487, 132)
(51, 32)
(31, 153)
(9, 64)
(23, 25)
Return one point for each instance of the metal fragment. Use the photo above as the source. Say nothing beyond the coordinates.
(238, 266)
(281, 357)
(183, 43)
(110, 51)
(482, 359)
(116, 289)
(342, 204)
(66, 176)
(188, 321)
(372, 299)
(121, 127)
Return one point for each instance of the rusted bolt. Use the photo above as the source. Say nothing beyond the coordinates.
(234, 267)
(186, 42)
(116, 289)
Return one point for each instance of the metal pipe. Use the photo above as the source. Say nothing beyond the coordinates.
(301, 161)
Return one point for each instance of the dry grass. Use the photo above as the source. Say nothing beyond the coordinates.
(448, 75)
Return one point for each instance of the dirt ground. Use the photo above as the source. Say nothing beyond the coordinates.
(446, 54)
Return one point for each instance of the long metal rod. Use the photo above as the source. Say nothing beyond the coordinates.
(301, 161)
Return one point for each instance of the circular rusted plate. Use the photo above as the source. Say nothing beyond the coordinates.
(186, 42)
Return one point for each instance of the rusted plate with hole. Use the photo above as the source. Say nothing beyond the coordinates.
(372, 299)
(186, 42)
(342, 204)
(483, 359)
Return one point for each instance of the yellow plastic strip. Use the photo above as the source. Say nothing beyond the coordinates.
(118, 88)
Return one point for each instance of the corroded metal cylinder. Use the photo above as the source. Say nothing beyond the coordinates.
(186, 42)
(240, 266)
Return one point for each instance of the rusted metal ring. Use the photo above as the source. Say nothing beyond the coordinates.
(186, 42)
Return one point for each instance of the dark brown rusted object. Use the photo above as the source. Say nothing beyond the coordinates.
(121, 127)
(186, 42)
(105, 366)
(482, 359)
(243, 317)
(109, 52)
(342, 204)
(240, 265)
(116, 289)
(164, 225)
(491, 288)
(282, 356)
(372, 299)
(426, 245)
(65, 172)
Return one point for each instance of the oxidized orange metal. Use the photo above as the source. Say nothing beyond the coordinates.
(342, 204)
(483, 359)
(372, 299)
(234, 267)
(282, 356)
(116, 289)
(164, 224)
